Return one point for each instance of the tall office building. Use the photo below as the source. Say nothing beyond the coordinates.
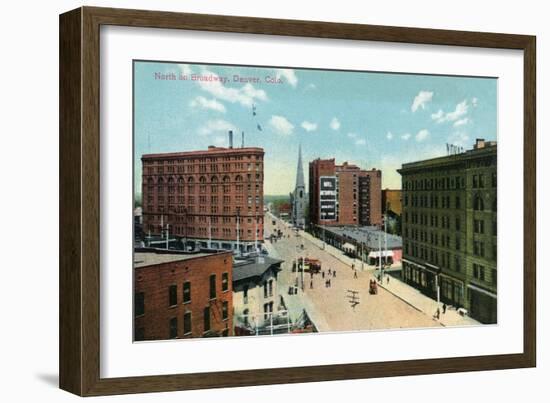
(344, 194)
(450, 229)
(211, 198)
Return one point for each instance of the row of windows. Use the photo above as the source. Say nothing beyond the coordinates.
(179, 190)
(188, 323)
(478, 181)
(161, 181)
(202, 160)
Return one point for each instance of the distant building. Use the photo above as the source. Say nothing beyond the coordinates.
(255, 292)
(450, 228)
(298, 196)
(344, 194)
(210, 198)
(391, 201)
(182, 295)
(366, 243)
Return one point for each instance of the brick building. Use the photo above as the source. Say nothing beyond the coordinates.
(391, 201)
(450, 229)
(344, 194)
(211, 198)
(182, 295)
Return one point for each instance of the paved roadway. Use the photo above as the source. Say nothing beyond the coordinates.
(330, 307)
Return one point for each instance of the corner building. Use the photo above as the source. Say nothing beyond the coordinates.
(211, 198)
(450, 229)
(344, 194)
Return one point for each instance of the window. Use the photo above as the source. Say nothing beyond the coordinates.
(270, 288)
(478, 203)
(225, 281)
(173, 328)
(245, 294)
(265, 289)
(187, 326)
(186, 292)
(172, 295)
(206, 319)
(212, 286)
(225, 310)
(139, 304)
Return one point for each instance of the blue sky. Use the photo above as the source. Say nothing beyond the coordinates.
(375, 120)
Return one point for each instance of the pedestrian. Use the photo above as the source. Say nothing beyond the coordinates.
(444, 308)
(437, 313)
(334, 273)
(388, 281)
(352, 266)
(355, 274)
(329, 283)
(311, 284)
(329, 271)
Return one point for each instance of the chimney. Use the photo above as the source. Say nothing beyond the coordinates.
(480, 143)
(230, 138)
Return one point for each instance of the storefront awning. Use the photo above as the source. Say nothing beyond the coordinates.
(348, 246)
(481, 290)
(385, 253)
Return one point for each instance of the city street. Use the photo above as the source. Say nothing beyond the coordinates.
(347, 304)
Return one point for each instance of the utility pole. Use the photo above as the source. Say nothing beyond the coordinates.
(256, 234)
(238, 219)
(167, 236)
(209, 232)
(380, 256)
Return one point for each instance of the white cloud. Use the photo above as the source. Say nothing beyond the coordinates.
(311, 86)
(461, 122)
(461, 110)
(281, 125)
(185, 69)
(474, 102)
(245, 95)
(202, 102)
(389, 135)
(216, 126)
(220, 141)
(289, 75)
(352, 135)
(309, 126)
(335, 124)
(422, 135)
(406, 136)
(360, 142)
(421, 100)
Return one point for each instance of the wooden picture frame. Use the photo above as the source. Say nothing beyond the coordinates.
(79, 200)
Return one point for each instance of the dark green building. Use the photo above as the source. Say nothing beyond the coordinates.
(450, 229)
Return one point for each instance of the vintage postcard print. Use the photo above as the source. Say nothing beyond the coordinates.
(273, 201)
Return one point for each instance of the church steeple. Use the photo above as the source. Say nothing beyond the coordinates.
(298, 197)
(300, 169)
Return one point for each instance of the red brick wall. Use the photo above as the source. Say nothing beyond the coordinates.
(196, 190)
(154, 282)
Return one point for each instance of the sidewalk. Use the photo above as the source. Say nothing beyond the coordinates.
(425, 304)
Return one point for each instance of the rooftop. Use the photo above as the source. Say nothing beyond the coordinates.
(151, 257)
(368, 236)
(253, 267)
(211, 151)
(483, 149)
